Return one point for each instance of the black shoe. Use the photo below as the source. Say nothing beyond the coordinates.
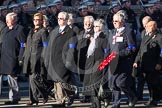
(11, 102)
(70, 101)
(151, 103)
(115, 106)
(106, 103)
(132, 104)
(45, 100)
(31, 103)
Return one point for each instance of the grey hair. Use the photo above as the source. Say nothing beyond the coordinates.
(99, 22)
(45, 18)
(12, 15)
(124, 13)
(70, 15)
(66, 16)
(120, 16)
(90, 17)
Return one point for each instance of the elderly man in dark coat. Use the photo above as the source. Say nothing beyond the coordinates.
(13, 43)
(149, 59)
(59, 56)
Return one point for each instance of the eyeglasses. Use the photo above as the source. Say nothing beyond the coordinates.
(96, 26)
(116, 21)
(36, 19)
(60, 18)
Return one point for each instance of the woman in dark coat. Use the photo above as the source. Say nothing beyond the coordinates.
(33, 61)
(95, 46)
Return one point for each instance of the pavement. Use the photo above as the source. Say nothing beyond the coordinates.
(24, 90)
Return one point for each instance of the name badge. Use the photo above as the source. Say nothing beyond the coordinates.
(119, 39)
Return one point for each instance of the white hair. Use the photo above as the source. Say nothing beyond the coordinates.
(12, 15)
(65, 14)
(120, 17)
(99, 22)
(90, 18)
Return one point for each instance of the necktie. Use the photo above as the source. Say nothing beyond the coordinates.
(60, 30)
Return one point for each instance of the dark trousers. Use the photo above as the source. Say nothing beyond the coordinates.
(120, 82)
(140, 85)
(153, 82)
(37, 88)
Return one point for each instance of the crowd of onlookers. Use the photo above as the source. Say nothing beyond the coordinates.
(60, 51)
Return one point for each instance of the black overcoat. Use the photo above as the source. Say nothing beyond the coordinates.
(150, 52)
(33, 56)
(12, 50)
(59, 54)
(123, 60)
(89, 66)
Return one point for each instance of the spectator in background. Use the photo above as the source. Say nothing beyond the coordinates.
(75, 2)
(71, 21)
(12, 2)
(131, 17)
(46, 24)
(24, 18)
(114, 8)
(98, 3)
(3, 13)
(3, 3)
(59, 5)
(148, 11)
(157, 14)
(31, 4)
(80, 17)
(43, 9)
(53, 15)
(16, 9)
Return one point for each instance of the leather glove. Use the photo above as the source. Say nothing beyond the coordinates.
(134, 72)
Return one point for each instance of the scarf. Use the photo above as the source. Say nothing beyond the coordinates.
(92, 44)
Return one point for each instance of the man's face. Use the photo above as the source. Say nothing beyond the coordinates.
(25, 7)
(53, 9)
(9, 21)
(43, 11)
(116, 9)
(128, 3)
(150, 27)
(87, 24)
(116, 22)
(83, 12)
(16, 10)
(61, 20)
(37, 21)
(4, 13)
(144, 23)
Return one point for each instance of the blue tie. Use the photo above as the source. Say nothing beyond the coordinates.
(60, 30)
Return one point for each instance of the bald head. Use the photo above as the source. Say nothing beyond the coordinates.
(145, 20)
(151, 26)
